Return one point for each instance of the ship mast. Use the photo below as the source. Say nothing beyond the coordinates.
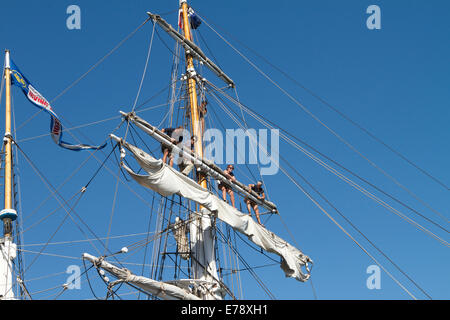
(204, 266)
(8, 214)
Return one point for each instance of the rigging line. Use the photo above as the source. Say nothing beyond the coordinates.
(145, 68)
(134, 106)
(69, 177)
(252, 147)
(216, 279)
(87, 278)
(237, 151)
(99, 168)
(355, 227)
(47, 216)
(348, 170)
(46, 276)
(51, 237)
(209, 50)
(83, 240)
(122, 294)
(51, 187)
(112, 210)
(343, 115)
(172, 92)
(333, 161)
(250, 270)
(133, 129)
(254, 267)
(100, 61)
(87, 72)
(78, 258)
(345, 232)
(154, 96)
(147, 239)
(112, 173)
(92, 123)
(68, 129)
(115, 196)
(19, 224)
(325, 126)
(340, 175)
(65, 288)
(165, 44)
(322, 209)
(304, 191)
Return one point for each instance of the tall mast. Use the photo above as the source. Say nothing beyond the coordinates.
(8, 214)
(202, 242)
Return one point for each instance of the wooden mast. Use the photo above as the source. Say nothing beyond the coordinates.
(8, 249)
(8, 206)
(203, 226)
(196, 128)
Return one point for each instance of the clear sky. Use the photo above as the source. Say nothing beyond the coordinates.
(393, 81)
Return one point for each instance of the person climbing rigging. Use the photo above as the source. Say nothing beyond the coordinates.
(175, 134)
(251, 204)
(202, 111)
(202, 114)
(184, 164)
(228, 172)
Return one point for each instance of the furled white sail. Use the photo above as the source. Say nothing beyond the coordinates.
(167, 181)
(160, 289)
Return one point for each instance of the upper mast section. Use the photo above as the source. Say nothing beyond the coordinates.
(193, 49)
(192, 82)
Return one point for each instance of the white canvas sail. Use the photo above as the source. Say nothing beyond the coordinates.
(167, 181)
(160, 289)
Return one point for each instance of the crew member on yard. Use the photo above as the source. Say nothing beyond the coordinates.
(251, 204)
(166, 149)
(228, 172)
(185, 164)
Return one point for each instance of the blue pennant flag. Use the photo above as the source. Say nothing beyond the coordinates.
(38, 100)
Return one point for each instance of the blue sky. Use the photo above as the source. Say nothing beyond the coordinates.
(392, 81)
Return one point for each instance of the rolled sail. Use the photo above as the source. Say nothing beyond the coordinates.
(167, 181)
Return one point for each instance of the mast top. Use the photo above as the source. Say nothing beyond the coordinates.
(7, 63)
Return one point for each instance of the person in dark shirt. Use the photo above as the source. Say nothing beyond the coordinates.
(226, 188)
(202, 113)
(166, 149)
(251, 204)
(185, 165)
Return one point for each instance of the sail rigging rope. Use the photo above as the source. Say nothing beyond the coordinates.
(343, 115)
(87, 72)
(71, 209)
(332, 170)
(65, 181)
(100, 61)
(128, 125)
(268, 123)
(305, 109)
(323, 210)
(355, 227)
